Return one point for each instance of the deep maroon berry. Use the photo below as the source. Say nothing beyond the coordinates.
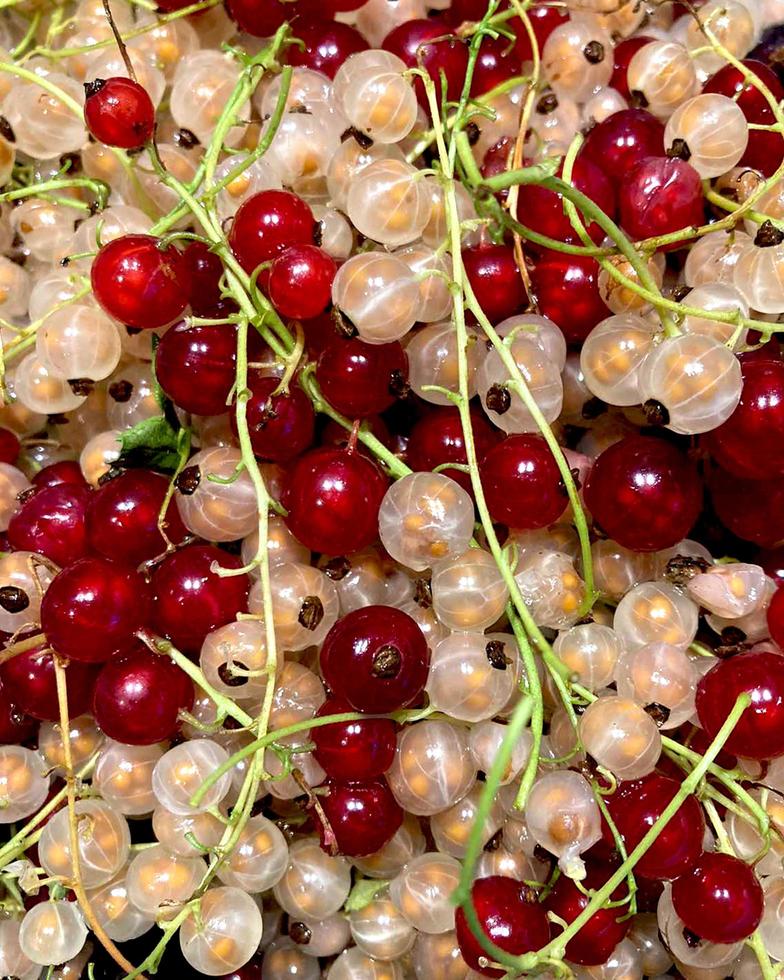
(567, 291)
(29, 678)
(122, 517)
(495, 279)
(508, 918)
(623, 140)
(9, 446)
(251, 971)
(376, 658)
(262, 18)
(644, 493)
(776, 616)
(542, 210)
(267, 224)
(327, 45)
(596, 940)
(139, 283)
(772, 561)
(138, 698)
(15, 726)
(522, 483)
(750, 443)
(751, 509)
(760, 732)
(300, 281)
(53, 522)
(190, 599)
(544, 20)
(332, 497)
(495, 64)
(362, 817)
(196, 366)
(426, 44)
(360, 379)
(66, 471)
(353, 749)
(119, 112)
(498, 158)
(93, 608)
(280, 426)
(438, 438)
(637, 805)
(720, 899)
(333, 434)
(623, 53)
(660, 195)
(770, 49)
(205, 269)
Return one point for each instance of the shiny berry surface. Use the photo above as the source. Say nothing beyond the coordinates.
(544, 212)
(9, 446)
(53, 522)
(426, 44)
(15, 726)
(522, 483)
(353, 750)
(644, 493)
(760, 732)
(66, 471)
(544, 19)
(624, 51)
(362, 817)
(93, 608)
(437, 438)
(776, 616)
(332, 497)
(567, 291)
(300, 281)
(507, 917)
(751, 509)
(660, 195)
(623, 140)
(190, 599)
(139, 283)
(376, 658)
(196, 367)
(267, 224)
(205, 269)
(29, 680)
(280, 425)
(327, 45)
(360, 379)
(119, 112)
(138, 697)
(495, 64)
(495, 279)
(720, 899)
(596, 940)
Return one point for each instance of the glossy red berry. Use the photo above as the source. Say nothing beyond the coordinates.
(300, 281)
(29, 679)
(750, 443)
(497, 159)
(426, 44)
(751, 509)
(261, 18)
(362, 817)
(139, 283)
(327, 45)
(15, 726)
(637, 805)
(267, 224)
(53, 522)
(542, 210)
(776, 616)
(644, 493)
(495, 64)
(623, 53)
(93, 609)
(190, 599)
(772, 561)
(332, 497)
(660, 195)
(118, 112)
(360, 379)
(122, 517)
(508, 918)
(437, 438)
(623, 140)
(376, 658)
(66, 471)
(720, 899)
(280, 426)
(760, 732)
(196, 367)
(138, 698)
(567, 291)
(495, 279)
(522, 483)
(9, 446)
(544, 19)
(356, 750)
(205, 269)
(596, 940)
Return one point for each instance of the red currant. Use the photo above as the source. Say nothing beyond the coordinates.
(596, 940)
(267, 224)
(119, 112)
(360, 379)
(426, 44)
(66, 471)
(9, 446)
(751, 509)
(544, 19)
(327, 45)
(567, 291)
(280, 426)
(196, 366)
(300, 281)
(494, 65)
(522, 483)
(29, 678)
(362, 817)
(15, 726)
(660, 195)
(353, 749)
(624, 51)
(720, 899)
(53, 522)
(437, 438)
(623, 140)
(205, 269)
(495, 279)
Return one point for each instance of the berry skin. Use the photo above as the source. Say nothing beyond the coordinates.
(567, 291)
(30, 682)
(522, 483)
(262, 18)
(196, 367)
(280, 426)
(327, 45)
(376, 658)
(596, 940)
(660, 195)
(360, 379)
(494, 65)
(93, 608)
(363, 816)
(190, 600)
(760, 732)
(438, 438)
(720, 899)
(205, 269)
(332, 497)
(66, 471)
(495, 279)
(353, 749)
(267, 224)
(15, 726)
(544, 19)
(425, 44)
(508, 919)
(751, 509)
(53, 522)
(122, 517)
(623, 53)
(644, 493)
(119, 112)
(140, 284)
(622, 140)
(776, 616)
(637, 805)
(300, 282)
(9, 446)
(137, 699)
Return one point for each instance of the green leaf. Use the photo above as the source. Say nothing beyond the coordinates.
(363, 893)
(153, 443)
